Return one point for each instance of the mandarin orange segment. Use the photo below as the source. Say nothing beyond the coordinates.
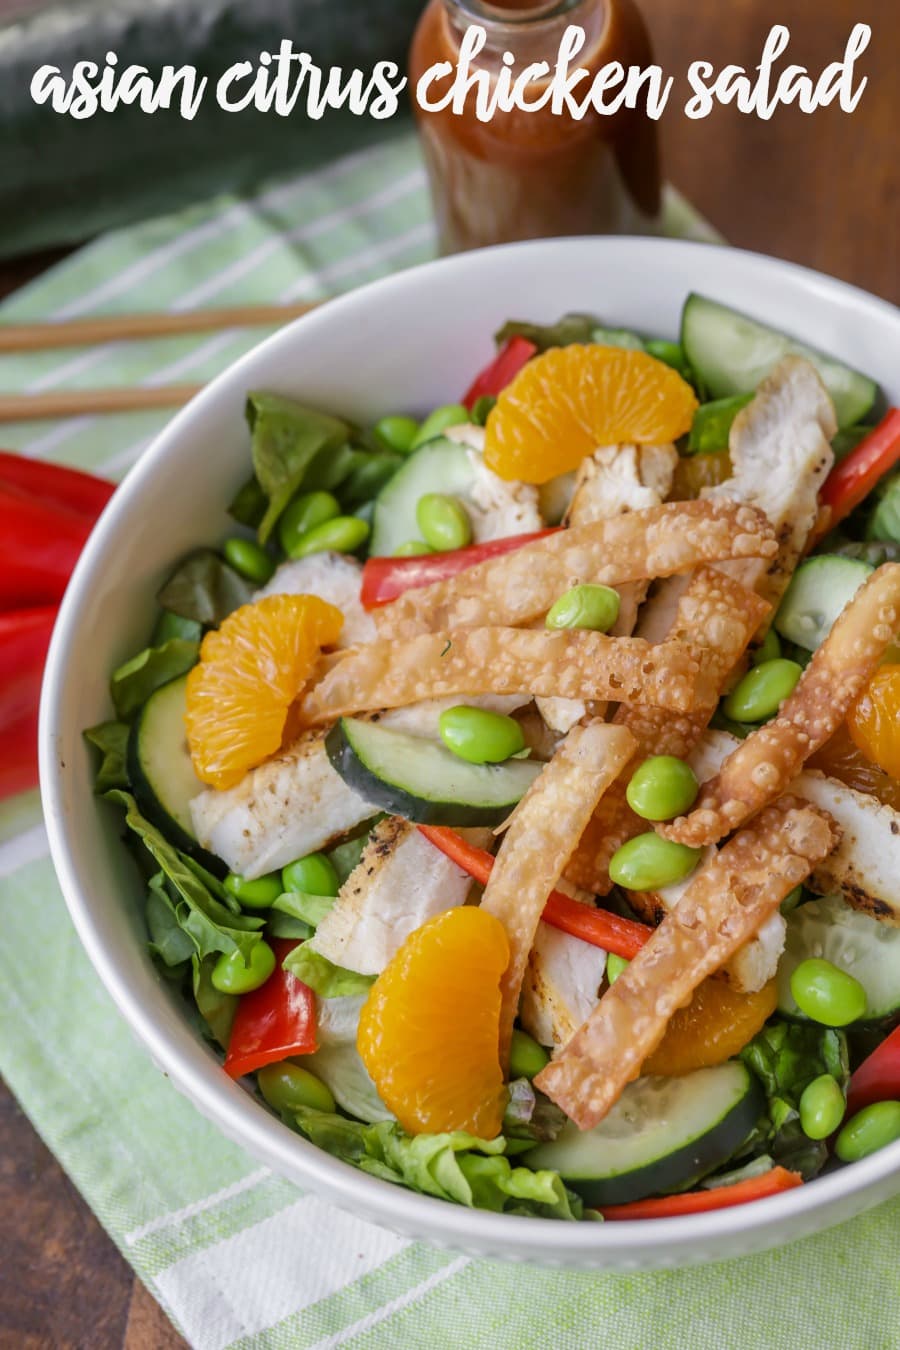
(842, 759)
(569, 401)
(716, 1024)
(874, 720)
(429, 1031)
(250, 672)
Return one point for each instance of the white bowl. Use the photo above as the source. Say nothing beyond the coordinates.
(409, 342)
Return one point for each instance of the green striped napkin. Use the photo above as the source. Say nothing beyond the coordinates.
(237, 1256)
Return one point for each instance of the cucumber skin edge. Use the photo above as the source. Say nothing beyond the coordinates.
(395, 800)
(656, 1177)
(149, 806)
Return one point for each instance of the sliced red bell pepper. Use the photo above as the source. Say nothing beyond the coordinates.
(504, 368)
(39, 546)
(273, 1022)
(55, 484)
(596, 926)
(24, 638)
(702, 1202)
(384, 579)
(853, 479)
(878, 1077)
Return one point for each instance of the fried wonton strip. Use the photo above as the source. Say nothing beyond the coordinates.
(520, 586)
(715, 620)
(729, 899)
(572, 664)
(763, 765)
(541, 835)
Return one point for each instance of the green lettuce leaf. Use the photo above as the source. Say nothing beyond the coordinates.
(530, 1117)
(210, 925)
(170, 625)
(205, 589)
(570, 328)
(216, 1009)
(323, 976)
(286, 926)
(303, 905)
(168, 940)
(457, 1166)
(286, 439)
(132, 683)
(111, 739)
(249, 504)
(786, 1057)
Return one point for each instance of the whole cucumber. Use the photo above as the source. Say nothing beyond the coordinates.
(62, 180)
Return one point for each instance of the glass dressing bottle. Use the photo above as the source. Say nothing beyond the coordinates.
(529, 175)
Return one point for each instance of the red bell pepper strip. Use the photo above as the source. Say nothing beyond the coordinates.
(39, 546)
(273, 1022)
(383, 579)
(878, 1077)
(701, 1202)
(596, 926)
(853, 479)
(504, 368)
(55, 484)
(24, 638)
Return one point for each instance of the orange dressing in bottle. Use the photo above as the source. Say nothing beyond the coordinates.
(535, 174)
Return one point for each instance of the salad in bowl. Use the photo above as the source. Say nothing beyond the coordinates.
(517, 790)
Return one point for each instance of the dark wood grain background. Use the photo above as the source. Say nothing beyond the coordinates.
(821, 190)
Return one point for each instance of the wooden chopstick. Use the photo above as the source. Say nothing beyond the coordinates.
(79, 402)
(33, 337)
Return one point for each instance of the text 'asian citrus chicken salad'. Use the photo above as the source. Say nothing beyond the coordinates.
(518, 790)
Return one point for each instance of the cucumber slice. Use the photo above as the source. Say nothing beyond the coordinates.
(819, 590)
(160, 770)
(441, 465)
(855, 942)
(420, 780)
(732, 354)
(661, 1135)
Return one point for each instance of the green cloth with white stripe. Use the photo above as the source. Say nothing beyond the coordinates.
(236, 1255)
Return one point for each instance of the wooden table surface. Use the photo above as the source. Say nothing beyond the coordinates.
(821, 190)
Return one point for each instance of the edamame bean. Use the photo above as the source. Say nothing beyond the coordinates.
(444, 522)
(287, 1087)
(869, 1130)
(592, 607)
(479, 736)
(341, 534)
(450, 415)
(768, 650)
(827, 994)
(231, 976)
(762, 690)
(614, 967)
(822, 1107)
(413, 548)
(315, 875)
(396, 433)
(526, 1057)
(662, 788)
(247, 558)
(791, 900)
(257, 894)
(303, 514)
(648, 862)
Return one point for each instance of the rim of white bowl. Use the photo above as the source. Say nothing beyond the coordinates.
(191, 1068)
